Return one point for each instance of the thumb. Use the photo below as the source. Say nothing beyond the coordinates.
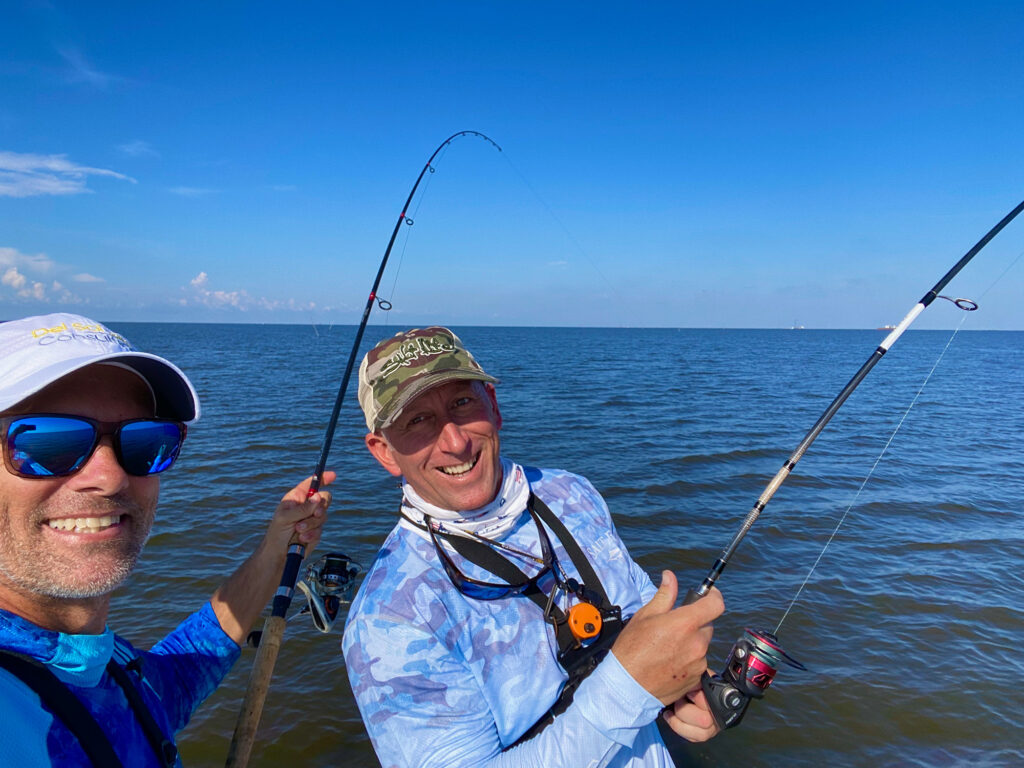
(664, 599)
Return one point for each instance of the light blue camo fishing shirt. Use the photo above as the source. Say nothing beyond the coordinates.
(179, 673)
(446, 681)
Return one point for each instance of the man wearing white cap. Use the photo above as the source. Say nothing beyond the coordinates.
(87, 423)
(492, 629)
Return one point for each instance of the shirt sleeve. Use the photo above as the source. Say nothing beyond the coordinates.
(188, 665)
(423, 708)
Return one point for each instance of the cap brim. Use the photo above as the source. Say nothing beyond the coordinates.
(174, 395)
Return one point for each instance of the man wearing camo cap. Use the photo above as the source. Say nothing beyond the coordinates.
(492, 627)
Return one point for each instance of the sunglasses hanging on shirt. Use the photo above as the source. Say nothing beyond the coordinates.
(582, 621)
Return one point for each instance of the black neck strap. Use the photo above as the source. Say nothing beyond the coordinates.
(64, 705)
(69, 709)
(583, 566)
(164, 748)
(486, 557)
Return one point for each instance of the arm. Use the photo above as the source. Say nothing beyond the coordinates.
(689, 715)
(240, 600)
(424, 707)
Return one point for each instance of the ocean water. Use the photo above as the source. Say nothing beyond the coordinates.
(911, 625)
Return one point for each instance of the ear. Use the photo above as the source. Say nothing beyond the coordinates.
(381, 451)
(493, 395)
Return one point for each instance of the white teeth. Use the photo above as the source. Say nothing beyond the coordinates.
(458, 469)
(84, 524)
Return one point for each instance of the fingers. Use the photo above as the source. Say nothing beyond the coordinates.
(690, 717)
(299, 518)
(709, 607)
(664, 648)
(308, 529)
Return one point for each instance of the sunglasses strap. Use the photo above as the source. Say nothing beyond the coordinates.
(591, 590)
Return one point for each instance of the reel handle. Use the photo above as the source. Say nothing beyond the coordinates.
(727, 703)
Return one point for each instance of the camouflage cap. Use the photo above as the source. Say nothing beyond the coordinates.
(399, 369)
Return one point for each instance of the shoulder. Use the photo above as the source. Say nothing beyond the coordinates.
(407, 625)
(566, 492)
(558, 482)
(403, 587)
(124, 651)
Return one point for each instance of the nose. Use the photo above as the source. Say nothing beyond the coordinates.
(453, 438)
(102, 472)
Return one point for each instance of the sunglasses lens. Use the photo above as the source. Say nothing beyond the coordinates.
(47, 446)
(148, 447)
(484, 591)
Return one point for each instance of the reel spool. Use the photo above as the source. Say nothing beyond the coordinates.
(329, 583)
(749, 670)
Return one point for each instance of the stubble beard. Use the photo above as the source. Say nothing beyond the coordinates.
(92, 571)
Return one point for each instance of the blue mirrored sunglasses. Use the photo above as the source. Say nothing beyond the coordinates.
(56, 445)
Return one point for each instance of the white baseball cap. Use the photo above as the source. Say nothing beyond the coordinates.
(36, 351)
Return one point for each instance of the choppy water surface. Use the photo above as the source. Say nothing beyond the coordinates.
(911, 626)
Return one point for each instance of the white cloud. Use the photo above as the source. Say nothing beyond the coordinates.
(21, 285)
(35, 262)
(204, 296)
(81, 71)
(138, 148)
(28, 175)
(201, 295)
(85, 277)
(13, 278)
(24, 274)
(191, 191)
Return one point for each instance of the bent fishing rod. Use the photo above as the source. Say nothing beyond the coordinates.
(756, 656)
(273, 630)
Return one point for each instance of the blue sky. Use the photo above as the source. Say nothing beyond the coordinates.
(668, 164)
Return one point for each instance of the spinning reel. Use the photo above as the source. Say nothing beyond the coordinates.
(749, 670)
(329, 583)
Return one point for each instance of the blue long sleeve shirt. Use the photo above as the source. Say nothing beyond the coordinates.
(446, 681)
(179, 672)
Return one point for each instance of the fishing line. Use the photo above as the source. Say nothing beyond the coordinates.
(757, 655)
(409, 222)
(871, 472)
(885, 448)
(565, 229)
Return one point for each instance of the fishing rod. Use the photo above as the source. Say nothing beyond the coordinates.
(273, 630)
(755, 658)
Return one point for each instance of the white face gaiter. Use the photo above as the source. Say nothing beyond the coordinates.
(491, 521)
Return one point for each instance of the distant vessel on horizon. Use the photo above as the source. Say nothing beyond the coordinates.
(886, 328)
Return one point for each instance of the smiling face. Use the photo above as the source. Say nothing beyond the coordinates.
(445, 444)
(76, 537)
